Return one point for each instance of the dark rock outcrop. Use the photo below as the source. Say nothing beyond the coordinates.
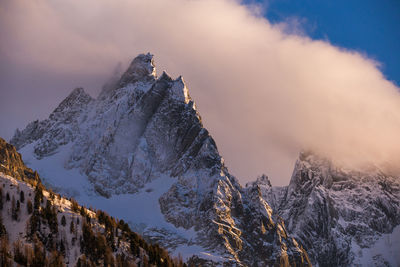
(11, 163)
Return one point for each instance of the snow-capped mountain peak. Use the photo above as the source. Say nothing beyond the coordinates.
(143, 140)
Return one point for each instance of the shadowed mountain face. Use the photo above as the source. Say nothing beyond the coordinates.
(143, 128)
(342, 217)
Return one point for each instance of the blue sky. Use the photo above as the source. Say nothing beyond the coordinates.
(371, 27)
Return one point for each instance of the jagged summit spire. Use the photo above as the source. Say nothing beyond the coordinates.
(141, 68)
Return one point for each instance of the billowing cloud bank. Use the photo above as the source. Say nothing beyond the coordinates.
(263, 94)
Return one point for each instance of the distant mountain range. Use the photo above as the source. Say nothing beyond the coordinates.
(140, 152)
(342, 217)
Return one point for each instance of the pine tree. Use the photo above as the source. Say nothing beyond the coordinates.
(82, 211)
(22, 196)
(109, 259)
(39, 254)
(38, 197)
(62, 247)
(63, 222)
(19, 256)
(29, 254)
(56, 259)
(74, 205)
(5, 255)
(34, 223)
(3, 230)
(29, 206)
(71, 227)
(14, 214)
(50, 214)
(1, 198)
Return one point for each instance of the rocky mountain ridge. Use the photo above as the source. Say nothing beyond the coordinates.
(144, 130)
(342, 217)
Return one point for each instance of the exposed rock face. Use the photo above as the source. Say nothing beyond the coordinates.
(143, 127)
(11, 163)
(339, 215)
